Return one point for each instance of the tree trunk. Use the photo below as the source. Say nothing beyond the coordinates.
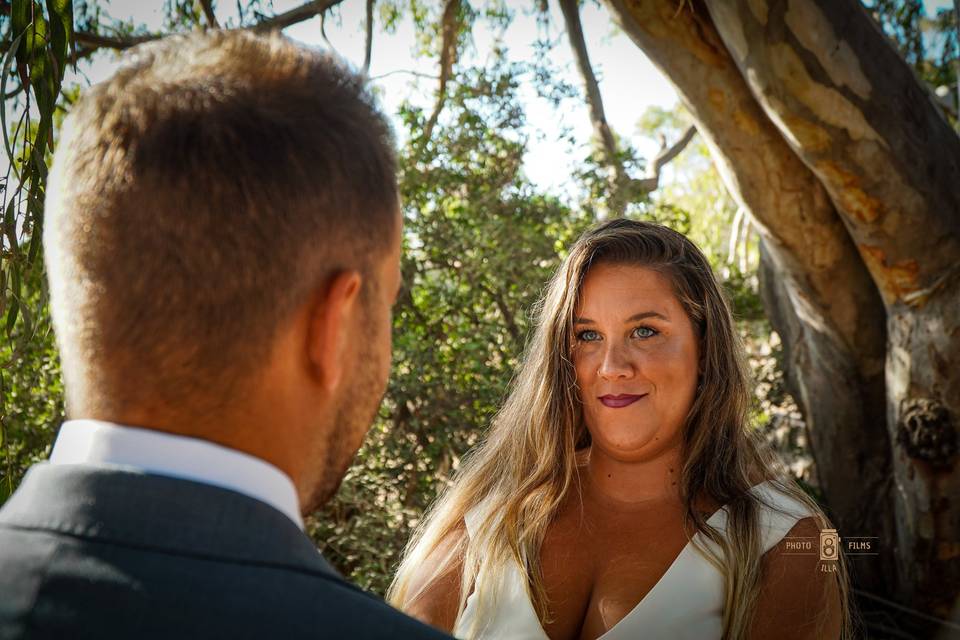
(601, 129)
(856, 115)
(834, 335)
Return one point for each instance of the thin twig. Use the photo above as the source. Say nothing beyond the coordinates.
(207, 6)
(652, 180)
(408, 71)
(323, 30)
(93, 41)
(293, 16)
(368, 48)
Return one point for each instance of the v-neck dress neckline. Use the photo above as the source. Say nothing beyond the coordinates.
(686, 601)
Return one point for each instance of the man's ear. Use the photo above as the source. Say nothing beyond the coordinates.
(334, 311)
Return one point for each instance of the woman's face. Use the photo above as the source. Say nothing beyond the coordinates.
(636, 359)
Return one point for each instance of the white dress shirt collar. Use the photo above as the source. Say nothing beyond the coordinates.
(95, 442)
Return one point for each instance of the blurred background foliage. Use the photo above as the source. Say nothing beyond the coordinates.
(480, 242)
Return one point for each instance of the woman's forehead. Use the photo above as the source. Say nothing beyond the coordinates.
(623, 285)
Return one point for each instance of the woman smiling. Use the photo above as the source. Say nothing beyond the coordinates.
(620, 492)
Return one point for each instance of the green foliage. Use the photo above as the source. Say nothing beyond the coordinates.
(31, 391)
(929, 43)
(36, 56)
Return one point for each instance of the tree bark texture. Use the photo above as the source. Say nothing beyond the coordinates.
(854, 113)
(823, 303)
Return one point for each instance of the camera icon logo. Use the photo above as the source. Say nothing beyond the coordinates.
(829, 544)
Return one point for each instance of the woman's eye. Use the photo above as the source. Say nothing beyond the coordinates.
(645, 332)
(588, 335)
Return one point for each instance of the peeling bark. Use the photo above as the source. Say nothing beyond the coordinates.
(834, 335)
(854, 113)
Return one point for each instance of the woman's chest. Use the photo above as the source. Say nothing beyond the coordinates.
(597, 570)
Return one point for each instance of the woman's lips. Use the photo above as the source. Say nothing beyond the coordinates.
(622, 400)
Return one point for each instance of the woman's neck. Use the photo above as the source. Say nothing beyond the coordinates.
(620, 484)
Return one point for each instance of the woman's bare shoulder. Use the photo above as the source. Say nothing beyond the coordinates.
(433, 594)
(799, 594)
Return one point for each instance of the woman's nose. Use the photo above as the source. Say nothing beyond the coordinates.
(615, 363)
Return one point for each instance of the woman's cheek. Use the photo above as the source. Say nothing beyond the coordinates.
(582, 362)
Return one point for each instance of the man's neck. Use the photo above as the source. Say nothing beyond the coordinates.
(243, 433)
(98, 443)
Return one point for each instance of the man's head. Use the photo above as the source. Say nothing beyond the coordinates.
(222, 243)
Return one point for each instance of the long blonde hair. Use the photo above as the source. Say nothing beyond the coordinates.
(527, 462)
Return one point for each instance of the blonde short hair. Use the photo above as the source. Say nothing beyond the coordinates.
(196, 198)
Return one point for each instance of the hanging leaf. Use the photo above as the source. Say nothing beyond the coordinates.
(34, 42)
(9, 226)
(7, 64)
(12, 316)
(61, 31)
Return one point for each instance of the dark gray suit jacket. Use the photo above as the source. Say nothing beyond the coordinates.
(87, 552)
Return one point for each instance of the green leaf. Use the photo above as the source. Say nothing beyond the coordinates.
(35, 38)
(7, 63)
(9, 224)
(36, 239)
(20, 17)
(61, 31)
(12, 316)
(16, 290)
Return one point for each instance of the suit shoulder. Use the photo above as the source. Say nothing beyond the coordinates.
(225, 598)
(359, 614)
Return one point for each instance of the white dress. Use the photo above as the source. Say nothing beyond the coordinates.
(686, 603)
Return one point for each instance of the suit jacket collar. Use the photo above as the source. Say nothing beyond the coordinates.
(159, 513)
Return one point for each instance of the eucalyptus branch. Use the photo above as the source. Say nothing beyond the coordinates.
(450, 28)
(601, 129)
(207, 6)
(368, 42)
(408, 71)
(667, 153)
(294, 16)
(93, 41)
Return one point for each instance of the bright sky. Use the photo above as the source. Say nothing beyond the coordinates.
(628, 81)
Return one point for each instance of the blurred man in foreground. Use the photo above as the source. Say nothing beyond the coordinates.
(222, 242)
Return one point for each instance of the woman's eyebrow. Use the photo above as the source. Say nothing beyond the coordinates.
(635, 317)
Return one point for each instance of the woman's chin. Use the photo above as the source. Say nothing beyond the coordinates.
(631, 436)
(635, 448)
